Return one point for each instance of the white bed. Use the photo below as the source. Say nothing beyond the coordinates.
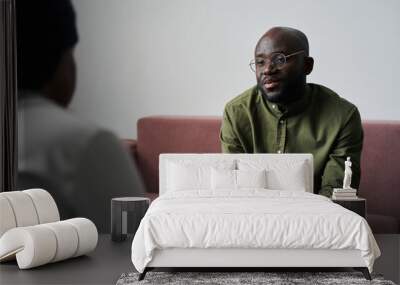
(219, 210)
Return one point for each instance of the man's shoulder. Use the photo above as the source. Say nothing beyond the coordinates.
(325, 96)
(40, 114)
(46, 126)
(244, 100)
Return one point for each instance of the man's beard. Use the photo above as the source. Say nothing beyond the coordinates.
(289, 92)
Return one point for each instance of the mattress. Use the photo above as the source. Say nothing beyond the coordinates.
(251, 219)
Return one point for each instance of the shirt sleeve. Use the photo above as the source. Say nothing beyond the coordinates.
(230, 142)
(348, 144)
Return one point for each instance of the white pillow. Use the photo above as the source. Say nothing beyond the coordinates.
(251, 179)
(223, 179)
(193, 174)
(237, 179)
(281, 174)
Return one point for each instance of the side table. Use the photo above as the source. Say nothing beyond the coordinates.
(119, 215)
(357, 205)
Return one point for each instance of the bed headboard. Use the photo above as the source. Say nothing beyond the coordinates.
(267, 158)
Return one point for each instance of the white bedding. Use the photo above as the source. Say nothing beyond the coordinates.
(250, 218)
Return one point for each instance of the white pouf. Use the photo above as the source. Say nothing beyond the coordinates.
(40, 244)
(31, 231)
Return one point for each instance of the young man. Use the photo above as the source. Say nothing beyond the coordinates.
(284, 114)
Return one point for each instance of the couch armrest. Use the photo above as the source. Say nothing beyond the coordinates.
(131, 146)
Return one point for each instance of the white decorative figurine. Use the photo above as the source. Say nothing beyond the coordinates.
(346, 192)
(347, 174)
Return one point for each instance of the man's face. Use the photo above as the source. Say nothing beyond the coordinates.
(284, 84)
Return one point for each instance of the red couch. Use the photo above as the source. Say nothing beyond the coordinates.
(380, 161)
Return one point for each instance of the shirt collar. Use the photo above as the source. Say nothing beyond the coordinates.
(292, 108)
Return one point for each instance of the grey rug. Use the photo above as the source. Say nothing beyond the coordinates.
(225, 278)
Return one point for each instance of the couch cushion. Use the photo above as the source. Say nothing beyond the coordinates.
(380, 168)
(173, 134)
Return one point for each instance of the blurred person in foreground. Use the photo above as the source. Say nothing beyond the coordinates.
(81, 165)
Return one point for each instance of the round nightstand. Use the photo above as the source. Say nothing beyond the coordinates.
(119, 215)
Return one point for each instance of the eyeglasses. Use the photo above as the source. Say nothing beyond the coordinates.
(278, 60)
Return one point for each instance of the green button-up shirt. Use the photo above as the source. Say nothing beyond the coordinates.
(321, 123)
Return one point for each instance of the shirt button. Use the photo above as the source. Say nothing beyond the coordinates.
(281, 121)
(273, 106)
(279, 151)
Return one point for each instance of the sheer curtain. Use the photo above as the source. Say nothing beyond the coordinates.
(8, 96)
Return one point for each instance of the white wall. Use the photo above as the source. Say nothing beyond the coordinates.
(189, 57)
